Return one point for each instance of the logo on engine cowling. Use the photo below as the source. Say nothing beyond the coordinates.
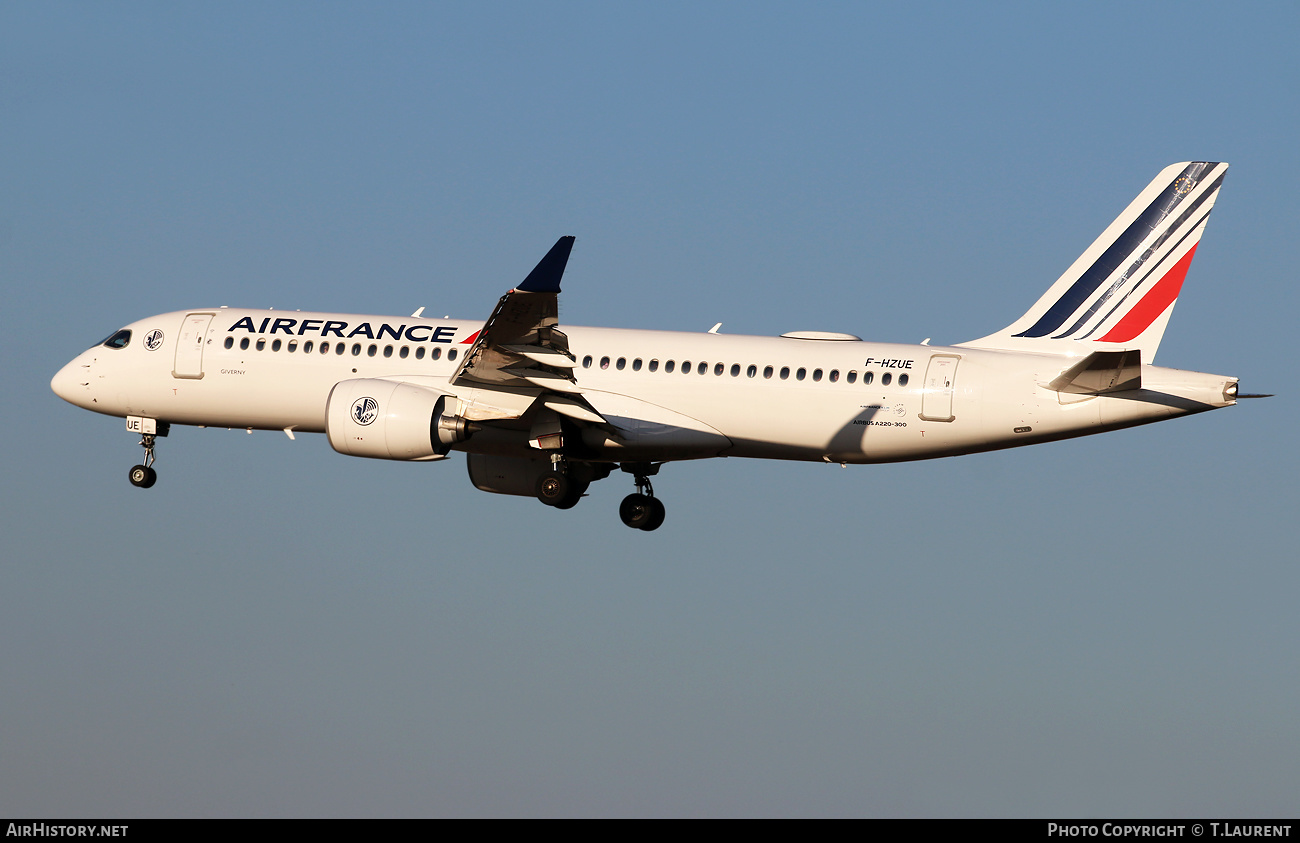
(365, 410)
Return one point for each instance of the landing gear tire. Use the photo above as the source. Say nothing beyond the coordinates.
(576, 491)
(656, 515)
(641, 512)
(143, 476)
(554, 489)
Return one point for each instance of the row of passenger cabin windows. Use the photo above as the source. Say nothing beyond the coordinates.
(324, 347)
(669, 366)
(750, 371)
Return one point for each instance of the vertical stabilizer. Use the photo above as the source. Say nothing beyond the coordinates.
(1120, 292)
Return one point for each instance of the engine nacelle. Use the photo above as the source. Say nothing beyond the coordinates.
(371, 417)
(506, 475)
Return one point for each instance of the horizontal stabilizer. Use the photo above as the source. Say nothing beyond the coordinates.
(1102, 372)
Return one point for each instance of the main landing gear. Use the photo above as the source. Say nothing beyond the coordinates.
(559, 487)
(143, 475)
(642, 511)
(565, 484)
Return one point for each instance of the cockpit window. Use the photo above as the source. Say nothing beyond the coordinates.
(119, 340)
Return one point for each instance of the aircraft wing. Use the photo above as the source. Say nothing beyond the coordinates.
(521, 347)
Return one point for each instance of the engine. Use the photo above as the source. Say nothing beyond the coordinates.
(506, 475)
(371, 417)
(509, 475)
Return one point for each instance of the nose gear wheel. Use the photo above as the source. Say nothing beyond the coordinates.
(144, 476)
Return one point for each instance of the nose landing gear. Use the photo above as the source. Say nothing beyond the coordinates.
(143, 475)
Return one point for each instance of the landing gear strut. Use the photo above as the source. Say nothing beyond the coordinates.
(143, 475)
(642, 511)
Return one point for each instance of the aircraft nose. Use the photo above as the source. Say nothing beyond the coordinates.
(70, 383)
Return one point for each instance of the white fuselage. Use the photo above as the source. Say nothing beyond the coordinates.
(770, 397)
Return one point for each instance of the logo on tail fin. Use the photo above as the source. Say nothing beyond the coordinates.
(1121, 287)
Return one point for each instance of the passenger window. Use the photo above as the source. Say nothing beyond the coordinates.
(767, 371)
(886, 378)
(275, 345)
(230, 342)
(817, 374)
(668, 367)
(292, 346)
(801, 374)
(388, 351)
(785, 372)
(339, 348)
(621, 364)
(419, 352)
(451, 354)
(851, 377)
(835, 375)
(719, 369)
(703, 368)
(324, 347)
(356, 349)
(902, 380)
(405, 350)
(604, 362)
(636, 365)
(586, 362)
(243, 344)
(686, 367)
(434, 354)
(654, 365)
(868, 377)
(370, 352)
(261, 344)
(307, 347)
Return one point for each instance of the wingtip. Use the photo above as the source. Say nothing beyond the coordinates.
(545, 277)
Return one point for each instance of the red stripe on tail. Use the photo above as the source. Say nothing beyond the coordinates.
(1153, 303)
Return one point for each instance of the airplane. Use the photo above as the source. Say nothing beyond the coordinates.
(544, 410)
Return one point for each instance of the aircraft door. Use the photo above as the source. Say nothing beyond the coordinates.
(940, 376)
(189, 346)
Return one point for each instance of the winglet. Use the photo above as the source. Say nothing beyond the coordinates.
(545, 277)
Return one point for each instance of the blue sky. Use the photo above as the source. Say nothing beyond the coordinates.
(1099, 627)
